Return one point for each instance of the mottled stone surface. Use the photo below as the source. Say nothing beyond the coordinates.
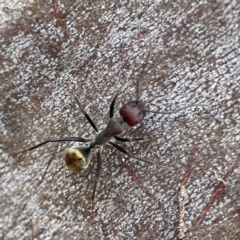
(185, 54)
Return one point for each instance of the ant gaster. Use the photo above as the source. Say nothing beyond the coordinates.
(78, 158)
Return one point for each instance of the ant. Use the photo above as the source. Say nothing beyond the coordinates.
(78, 158)
(132, 113)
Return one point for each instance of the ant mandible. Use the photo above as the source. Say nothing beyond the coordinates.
(78, 158)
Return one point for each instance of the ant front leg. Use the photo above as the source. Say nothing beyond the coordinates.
(111, 114)
(111, 110)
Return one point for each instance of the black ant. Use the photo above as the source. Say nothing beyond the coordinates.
(78, 158)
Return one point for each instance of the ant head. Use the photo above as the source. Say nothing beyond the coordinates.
(132, 112)
(77, 159)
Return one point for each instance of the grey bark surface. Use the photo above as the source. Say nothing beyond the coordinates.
(185, 54)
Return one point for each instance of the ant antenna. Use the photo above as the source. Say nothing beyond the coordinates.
(177, 110)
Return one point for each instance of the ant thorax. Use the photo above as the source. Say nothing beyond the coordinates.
(114, 127)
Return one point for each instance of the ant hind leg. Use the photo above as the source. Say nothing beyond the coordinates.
(65, 139)
(127, 139)
(99, 165)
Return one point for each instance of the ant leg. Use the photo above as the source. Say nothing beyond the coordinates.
(99, 165)
(85, 114)
(141, 74)
(177, 110)
(127, 139)
(111, 110)
(67, 139)
(123, 150)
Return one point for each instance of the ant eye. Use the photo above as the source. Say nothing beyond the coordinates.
(80, 159)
